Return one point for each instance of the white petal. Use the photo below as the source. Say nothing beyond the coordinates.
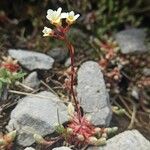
(64, 15)
(54, 15)
(47, 30)
(59, 10)
(76, 16)
(49, 17)
(71, 13)
(44, 29)
(49, 11)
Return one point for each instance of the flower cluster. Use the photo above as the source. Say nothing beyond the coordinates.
(81, 132)
(111, 61)
(55, 17)
(67, 82)
(10, 72)
(10, 64)
(109, 48)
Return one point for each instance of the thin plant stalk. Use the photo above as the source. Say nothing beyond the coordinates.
(71, 51)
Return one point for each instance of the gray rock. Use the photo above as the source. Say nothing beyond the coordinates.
(38, 115)
(146, 71)
(128, 140)
(73, 34)
(32, 80)
(132, 40)
(62, 148)
(59, 54)
(29, 148)
(92, 93)
(32, 60)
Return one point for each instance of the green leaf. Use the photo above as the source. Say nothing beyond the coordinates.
(9, 77)
(3, 80)
(60, 129)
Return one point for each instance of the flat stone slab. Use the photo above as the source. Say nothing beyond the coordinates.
(29, 148)
(92, 93)
(32, 60)
(62, 148)
(36, 115)
(59, 54)
(128, 140)
(132, 40)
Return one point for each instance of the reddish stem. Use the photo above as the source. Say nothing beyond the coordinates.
(60, 33)
(71, 50)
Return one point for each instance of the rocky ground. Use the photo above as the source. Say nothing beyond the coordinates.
(35, 104)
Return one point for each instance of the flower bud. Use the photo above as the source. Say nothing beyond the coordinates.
(109, 130)
(115, 108)
(92, 140)
(88, 117)
(10, 136)
(39, 139)
(69, 130)
(80, 137)
(70, 109)
(104, 135)
(112, 130)
(97, 130)
(119, 111)
(105, 130)
(115, 129)
(101, 141)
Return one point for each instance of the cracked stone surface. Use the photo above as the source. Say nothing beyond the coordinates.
(128, 140)
(62, 148)
(92, 93)
(32, 60)
(36, 114)
(132, 40)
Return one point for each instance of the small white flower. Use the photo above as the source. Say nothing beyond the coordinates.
(47, 31)
(54, 16)
(70, 109)
(71, 17)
